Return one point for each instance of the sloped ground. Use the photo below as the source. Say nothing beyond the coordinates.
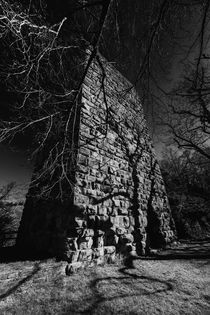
(172, 283)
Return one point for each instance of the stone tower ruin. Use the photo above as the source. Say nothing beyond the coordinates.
(119, 199)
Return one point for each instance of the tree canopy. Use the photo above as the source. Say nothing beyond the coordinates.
(44, 61)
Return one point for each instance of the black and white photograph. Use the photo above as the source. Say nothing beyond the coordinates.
(105, 157)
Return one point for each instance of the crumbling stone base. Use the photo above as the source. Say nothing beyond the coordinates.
(89, 257)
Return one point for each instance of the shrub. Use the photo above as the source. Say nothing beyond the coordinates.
(6, 216)
(191, 216)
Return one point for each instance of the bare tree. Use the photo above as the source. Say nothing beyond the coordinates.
(46, 73)
(187, 182)
(189, 111)
(44, 63)
(187, 114)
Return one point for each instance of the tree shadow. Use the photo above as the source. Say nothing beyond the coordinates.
(182, 254)
(190, 250)
(10, 291)
(126, 279)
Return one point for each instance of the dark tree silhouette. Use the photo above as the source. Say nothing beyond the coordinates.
(44, 60)
(6, 217)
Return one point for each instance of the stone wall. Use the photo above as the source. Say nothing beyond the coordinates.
(120, 194)
(119, 199)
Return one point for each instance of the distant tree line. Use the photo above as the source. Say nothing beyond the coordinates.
(187, 179)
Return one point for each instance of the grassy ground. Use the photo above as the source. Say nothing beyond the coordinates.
(175, 286)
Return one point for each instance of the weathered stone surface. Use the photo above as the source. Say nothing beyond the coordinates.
(119, 199)
(84, 258)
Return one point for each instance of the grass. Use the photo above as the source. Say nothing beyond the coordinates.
(153, 287)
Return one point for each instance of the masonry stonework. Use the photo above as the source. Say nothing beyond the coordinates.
(119, 201)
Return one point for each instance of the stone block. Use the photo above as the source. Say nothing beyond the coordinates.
(109, 250)
(84, 151)
(85, 243)
(72, 256)
(131, 229)
(93, 172)
(100, 193)
(99, 241)
(73, 267)
(144, 221)
(112, 212)
(120, 231)
(102, 210)
(79, 222)
(85, 255)
(71, 244)
(82, 169)
(98, 252)
(89, 233)
(92, 209)
(123, 211)
(125, 222)
(127, 238)
(116, 203)
(90, 192)
(99, 260)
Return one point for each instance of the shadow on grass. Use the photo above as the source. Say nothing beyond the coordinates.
(199, 250)
(10, 291)
(187, 251)
(126, 278)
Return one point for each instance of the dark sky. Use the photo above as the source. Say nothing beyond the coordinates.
(133, 22)
(14, 166)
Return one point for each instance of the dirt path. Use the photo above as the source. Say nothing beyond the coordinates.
(186, 250)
